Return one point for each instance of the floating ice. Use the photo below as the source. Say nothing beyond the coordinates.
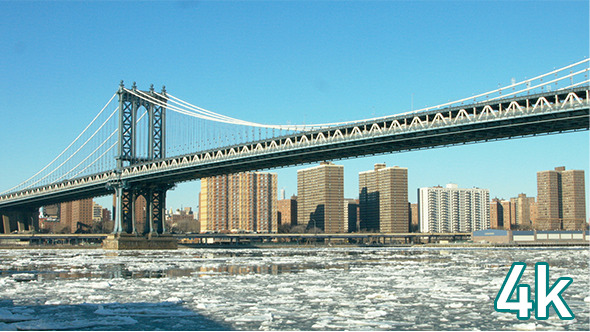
(24, 277)
(276, 289)
(525, 327)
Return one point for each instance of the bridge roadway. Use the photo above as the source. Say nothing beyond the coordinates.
(521, 116)
(240, 238)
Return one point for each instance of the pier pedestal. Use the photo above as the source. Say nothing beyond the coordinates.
(132, 242)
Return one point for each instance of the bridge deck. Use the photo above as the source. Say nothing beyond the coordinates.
(522, 116)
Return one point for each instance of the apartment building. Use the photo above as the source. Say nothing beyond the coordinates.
(453, 209)
(561, 200)
(320, 198)
(239, 202)
(383, 199)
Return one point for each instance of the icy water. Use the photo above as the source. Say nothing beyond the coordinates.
(278, 289)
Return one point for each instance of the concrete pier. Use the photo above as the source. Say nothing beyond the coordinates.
(19, 220)
(133, 242)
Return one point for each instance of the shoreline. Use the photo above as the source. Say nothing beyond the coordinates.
(318, 245)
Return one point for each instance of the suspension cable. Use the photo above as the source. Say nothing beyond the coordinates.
(75, 152)
(66, 149)
(95, 160)
(93, 152)
(209, 115)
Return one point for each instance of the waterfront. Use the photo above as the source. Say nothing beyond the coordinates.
(278, 289)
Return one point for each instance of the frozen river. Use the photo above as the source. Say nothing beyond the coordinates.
(278, 289)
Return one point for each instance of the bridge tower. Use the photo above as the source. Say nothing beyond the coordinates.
(126, 194)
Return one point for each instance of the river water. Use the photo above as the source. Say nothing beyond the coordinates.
(279, 289)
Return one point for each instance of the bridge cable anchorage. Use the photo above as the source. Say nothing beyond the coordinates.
(66, 149)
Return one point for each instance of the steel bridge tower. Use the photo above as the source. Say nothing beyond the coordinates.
(126, 194)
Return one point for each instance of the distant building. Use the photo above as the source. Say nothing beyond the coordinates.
(508, 219)
(239, 202)
(320, 197)
(383, 199)
(50, 220)
(414, 218)
(76, 215)
(183, 221)
(106, 215)
(453, 209)
(533, 212)
(141, 215)
(51, 211)
(561, 200)
(287, 211)
(496, 214)
(96, 212)
(52, 225)
(351, 214)
(521, 207)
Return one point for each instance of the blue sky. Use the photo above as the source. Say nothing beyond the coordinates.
(289, 62)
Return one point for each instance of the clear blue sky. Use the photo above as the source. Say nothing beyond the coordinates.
(289, 61)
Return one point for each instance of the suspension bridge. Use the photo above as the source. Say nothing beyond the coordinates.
(144, 142)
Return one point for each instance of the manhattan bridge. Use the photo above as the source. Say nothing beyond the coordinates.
(145, 142)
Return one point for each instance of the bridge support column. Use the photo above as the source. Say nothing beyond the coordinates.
(118, 226)
(125, 218)
(126, 234)
(149, 215)
(5, 224)
(20, 220)
(156, 208)
(133, 215)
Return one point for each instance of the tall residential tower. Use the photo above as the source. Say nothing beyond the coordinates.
(561, 202)
(320, 198)
(239, 202)
(383, 199)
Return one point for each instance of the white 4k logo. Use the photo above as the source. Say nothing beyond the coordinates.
(545, 295)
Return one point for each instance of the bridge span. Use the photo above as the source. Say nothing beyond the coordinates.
(528, 112)
(515, 117)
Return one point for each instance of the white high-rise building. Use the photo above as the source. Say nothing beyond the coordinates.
(453, 209)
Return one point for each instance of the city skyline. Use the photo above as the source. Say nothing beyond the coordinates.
(350, 60)
(249, 202)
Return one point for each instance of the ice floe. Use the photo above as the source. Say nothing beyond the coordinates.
(277, 289)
